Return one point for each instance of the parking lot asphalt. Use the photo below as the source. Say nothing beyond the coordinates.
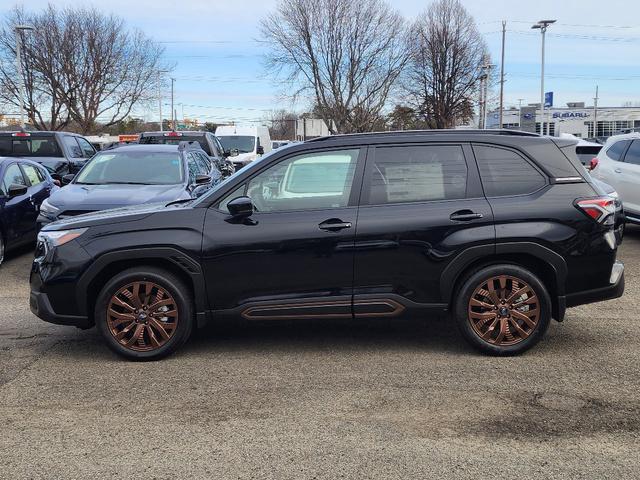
(298, 400)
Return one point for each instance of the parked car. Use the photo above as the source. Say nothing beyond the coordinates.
(504, 230)
(618, 164)
(133, 175)
(61, 153)
(244, 144)
(24, 185)
(207, 140)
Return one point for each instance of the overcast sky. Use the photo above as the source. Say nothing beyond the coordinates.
(220, 76)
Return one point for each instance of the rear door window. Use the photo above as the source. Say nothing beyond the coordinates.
(505, 172)
(633, 154)
(615, 151)
(417, 173)
(72, 146)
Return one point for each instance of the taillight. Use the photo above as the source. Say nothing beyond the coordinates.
(601, 209)
(593, 163)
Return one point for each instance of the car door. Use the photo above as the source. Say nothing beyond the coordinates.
(421, 206)
(293, 258)
(18, 210)
(39, 189)
(627, 178)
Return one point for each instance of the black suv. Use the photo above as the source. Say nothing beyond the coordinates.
(503, 230)
(207, 140)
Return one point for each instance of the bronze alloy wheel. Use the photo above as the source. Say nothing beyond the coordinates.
(142, 316)
(504, 310)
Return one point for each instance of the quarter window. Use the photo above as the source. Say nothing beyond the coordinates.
(633, 154)
(505, 172)
(311, 181)
(615, 151)
(417, 174)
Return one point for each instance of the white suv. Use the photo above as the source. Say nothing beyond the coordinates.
(618, 164)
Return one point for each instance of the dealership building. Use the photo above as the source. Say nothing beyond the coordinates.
(575, 119)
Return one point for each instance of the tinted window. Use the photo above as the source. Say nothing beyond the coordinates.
(194, 167)
(144, 168)
(417, 174)
(86, 147)
(174, 139)
(13, 175)
(32, 174)
(505, 172)
(633, 154)
(32, 146)
(616, 150)
(72, 146)
(311, 181)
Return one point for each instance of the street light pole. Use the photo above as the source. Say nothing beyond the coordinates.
(18, 30)
(160, 72)
(173, 118)
(542, 25)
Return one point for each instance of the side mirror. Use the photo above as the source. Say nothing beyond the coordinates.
(16, 190)
(203, 179)
(260, 150)
(241, 207)
(67, 179)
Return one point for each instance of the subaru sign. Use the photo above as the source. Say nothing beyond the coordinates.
(548, 99)
(569, 115)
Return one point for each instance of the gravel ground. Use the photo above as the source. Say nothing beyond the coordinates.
(322, 400)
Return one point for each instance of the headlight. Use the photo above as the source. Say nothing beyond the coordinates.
(47, 208)
(56, 238)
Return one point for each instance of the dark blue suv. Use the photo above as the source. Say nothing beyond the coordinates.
(24, 185)
(133, 175)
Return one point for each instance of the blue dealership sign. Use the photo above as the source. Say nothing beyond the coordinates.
(548, 99)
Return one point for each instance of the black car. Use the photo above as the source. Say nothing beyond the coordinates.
(207, 140)
(503, 230)
(61, 153)
(24, 185)
(133, 175)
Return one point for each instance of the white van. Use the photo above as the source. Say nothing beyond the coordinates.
(244, 144)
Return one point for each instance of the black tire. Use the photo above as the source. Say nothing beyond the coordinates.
(472, 324)
(181, 300)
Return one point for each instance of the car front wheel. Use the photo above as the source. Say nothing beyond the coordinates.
(144, 313)
(503, 309)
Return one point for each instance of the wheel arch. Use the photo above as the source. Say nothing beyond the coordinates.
(546, 264)
(170, 259)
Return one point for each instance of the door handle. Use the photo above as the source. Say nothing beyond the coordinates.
(334, 225)
(464, 216)
(618, 170)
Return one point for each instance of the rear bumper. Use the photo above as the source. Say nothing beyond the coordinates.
(614, 290)
(41, 307)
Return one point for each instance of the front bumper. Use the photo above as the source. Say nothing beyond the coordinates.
(41, 307)
(615, 289)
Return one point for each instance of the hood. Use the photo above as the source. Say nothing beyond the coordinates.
(243, 157)
(115, 215)
(101, 197)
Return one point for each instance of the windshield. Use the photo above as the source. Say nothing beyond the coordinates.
(143, 168)
(242, 143)
(166, 140)
(31, 146)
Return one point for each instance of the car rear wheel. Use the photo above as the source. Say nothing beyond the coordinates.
(144, 313)
(503, 309)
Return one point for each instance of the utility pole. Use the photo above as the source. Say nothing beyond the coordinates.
(504, 31)
(173, 117)
(595, 114)
(542, 25)
(18, 30)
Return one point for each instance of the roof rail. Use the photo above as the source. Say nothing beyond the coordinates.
(498, 131)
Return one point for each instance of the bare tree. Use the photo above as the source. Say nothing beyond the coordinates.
(347, 54)
(80, 66)
(447, 53)
(283, 124)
